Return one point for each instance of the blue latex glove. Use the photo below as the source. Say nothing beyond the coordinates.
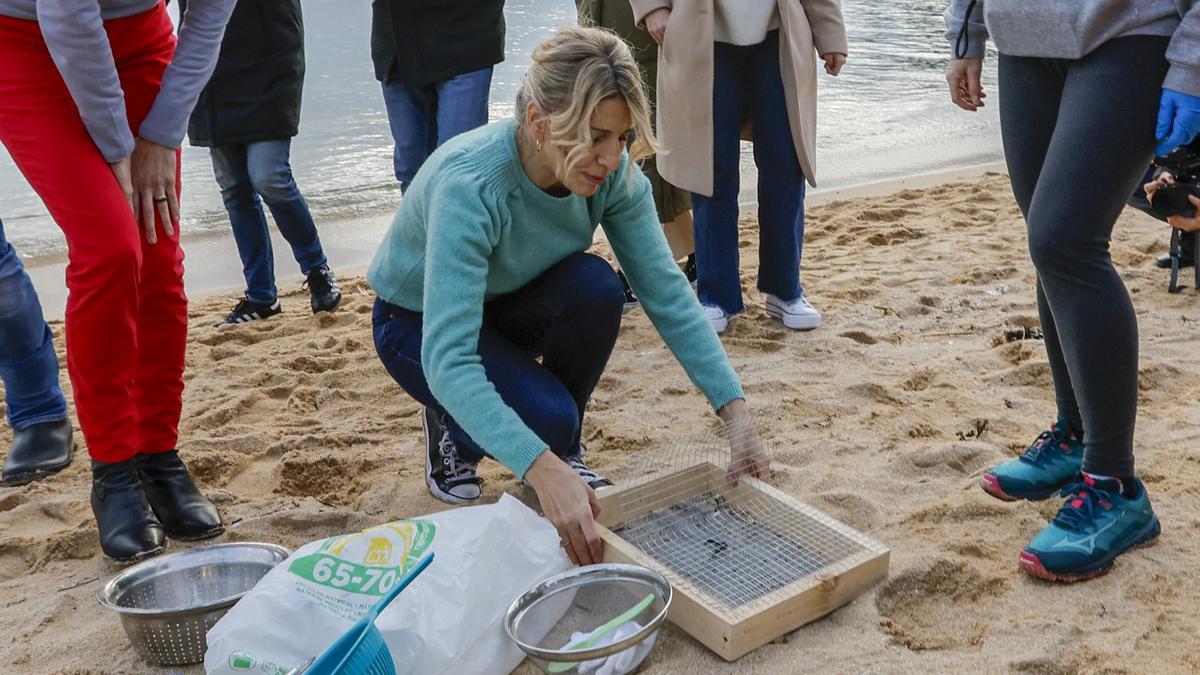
(1178, 120)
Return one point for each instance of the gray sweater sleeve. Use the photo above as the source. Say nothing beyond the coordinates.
(74, 35)
(976, 35)
(1184, 54)
(200, 30)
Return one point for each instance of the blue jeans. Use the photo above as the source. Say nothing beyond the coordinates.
(28, 364)
(246, 172)
(569, 316)
(747, 79)
(422, 118)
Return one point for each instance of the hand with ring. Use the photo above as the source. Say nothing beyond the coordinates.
(152, 169)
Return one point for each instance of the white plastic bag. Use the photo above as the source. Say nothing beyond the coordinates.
(450, 620)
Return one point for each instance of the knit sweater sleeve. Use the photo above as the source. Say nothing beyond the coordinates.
(971, 42)
(631, 224)
(463, 226)
(1184, 54)
(74, 34)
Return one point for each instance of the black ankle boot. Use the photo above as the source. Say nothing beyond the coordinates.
(128, 529)
(38, 451)
(186, 514)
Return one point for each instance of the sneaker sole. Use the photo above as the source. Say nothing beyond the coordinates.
(430, 483)
(991, 485)
(806, 323)
(1029, 563)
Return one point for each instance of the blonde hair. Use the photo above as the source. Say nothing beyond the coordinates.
(572, 72)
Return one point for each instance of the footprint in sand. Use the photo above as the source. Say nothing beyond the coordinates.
(949, 459)
(939, 605)
(861, 337)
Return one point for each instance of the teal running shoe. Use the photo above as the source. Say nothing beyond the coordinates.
(1053, 461)
(1095, 525)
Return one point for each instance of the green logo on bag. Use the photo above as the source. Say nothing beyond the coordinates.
(368, 562)
(242, 661)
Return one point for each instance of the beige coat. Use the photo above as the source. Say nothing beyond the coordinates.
(685, 82)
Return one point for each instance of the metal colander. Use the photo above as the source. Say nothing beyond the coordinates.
(168, 604)
(579, 601)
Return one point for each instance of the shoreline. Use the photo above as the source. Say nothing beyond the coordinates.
(350, 243)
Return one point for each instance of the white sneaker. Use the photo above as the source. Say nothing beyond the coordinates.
(797, 314)
(717, 317)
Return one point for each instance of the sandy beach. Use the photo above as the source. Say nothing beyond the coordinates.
(884, 418)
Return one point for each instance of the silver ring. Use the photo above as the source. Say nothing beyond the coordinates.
(158, 200)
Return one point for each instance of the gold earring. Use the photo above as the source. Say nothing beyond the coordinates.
(539, 144)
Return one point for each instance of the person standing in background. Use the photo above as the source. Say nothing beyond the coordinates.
(247, 115)
(745, 60)
(37, 411)
(435, 61)
(1090, 92)
(673, 204)
(94, 102)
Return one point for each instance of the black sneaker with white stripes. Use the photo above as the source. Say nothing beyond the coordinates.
(248, 310)
(593, 479)
(449, 477)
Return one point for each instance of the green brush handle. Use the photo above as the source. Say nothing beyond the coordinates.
(562, 667)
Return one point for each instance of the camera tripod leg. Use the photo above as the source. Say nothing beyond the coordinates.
(1174, 252)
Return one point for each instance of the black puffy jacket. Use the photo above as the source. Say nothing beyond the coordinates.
(254, 93)
(419, 42)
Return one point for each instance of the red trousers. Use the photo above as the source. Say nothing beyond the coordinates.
(126, 324)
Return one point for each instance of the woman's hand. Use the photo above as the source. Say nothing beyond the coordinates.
(656, 24)
(963, 76)
(570, 505)
(833, 62)
(120, 171)
(1184, 223)
(153, 169)
(747, 457)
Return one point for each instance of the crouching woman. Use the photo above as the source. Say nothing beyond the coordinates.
(484, 270)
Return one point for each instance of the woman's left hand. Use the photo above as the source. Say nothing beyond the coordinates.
(833, 63)
(152, 169)
(1184, 223)
(747, 457)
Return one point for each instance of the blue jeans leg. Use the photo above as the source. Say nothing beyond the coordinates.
(248, 221)
(412, 117)
(28, 364)
(422, 118)
(780, 178)
(715, 218)
(569, 316)
(462, 103)
(271, 174)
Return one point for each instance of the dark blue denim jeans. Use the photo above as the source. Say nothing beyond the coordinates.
(422, 118)
(746, 79)
(246, 172)
(569, 316)
(28, 364)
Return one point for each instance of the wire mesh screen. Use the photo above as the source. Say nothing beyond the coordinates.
(737, 545)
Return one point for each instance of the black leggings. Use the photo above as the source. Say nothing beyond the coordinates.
(1071, 181)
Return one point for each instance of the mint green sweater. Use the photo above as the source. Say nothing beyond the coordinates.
(473, 226)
